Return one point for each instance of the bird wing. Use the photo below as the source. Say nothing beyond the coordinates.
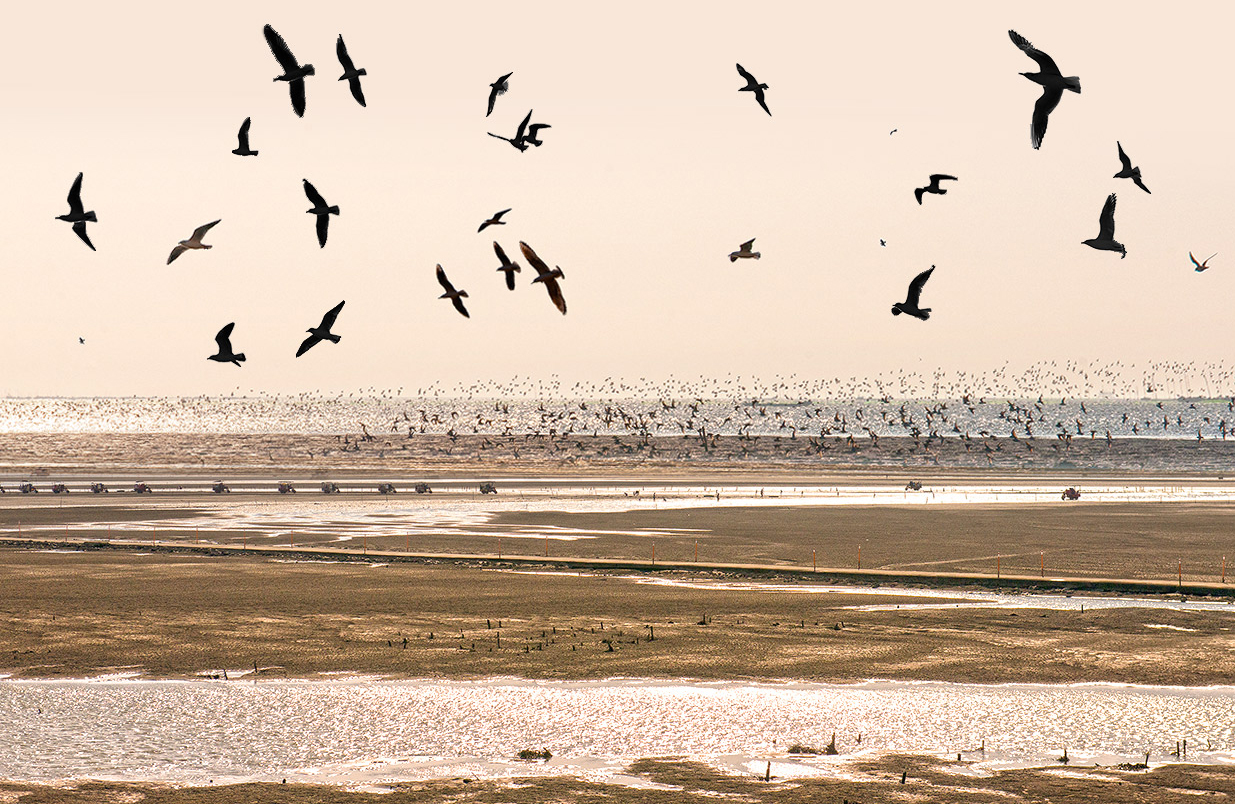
(750, 79)
(281, 51)
(1041, 110)
(200, 231)
(748, 245)
(443, 281)
(307, 344)
(510, 278)
(223, 339)
(482, 226)
(296, 88)
(1106, 221)
(1137, 181)
(762, 102)
(501, 254)
(176, 252)
(357, 91)
(331, 315)
(555, 293)
(323, 225)
(498, 87)
(315, 198)
(523, 126)
(493, 93)
(1195, 264)
(915, 287)
(1123, 157)
(1045, 62)
(938, 177)
(917, 193)
(458, 303)
(532, 129)
(340, 50)
(243, 135)
(75, 207)
(497, 216)
(535, 261)
(80, 228)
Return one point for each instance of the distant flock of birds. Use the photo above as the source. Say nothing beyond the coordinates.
(1049, 77)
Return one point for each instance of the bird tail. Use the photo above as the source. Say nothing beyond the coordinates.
(333, 210)
(308, 70)
(238, 359)
(332, 338)
(1073, 83)
(90, 216)
(756, 255)
(925, 313)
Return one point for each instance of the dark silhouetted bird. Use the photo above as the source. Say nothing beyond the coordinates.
(456, 296)
(498, 87)
(1201, 266)
(224, 340)
(1106, 230)
(518, 140)
(910, 305)
(744, 252)
(544, 275)
(752, 85)
(496, 220)
(510, 268)
(1127, 171)
(322, 331)
(242, 149)
(350, 73)
(81, 340)
(193, 242)
(533, 134)
(76, 215)
(293, 72)
(933, 187)
(321, 210)
(1053, 84)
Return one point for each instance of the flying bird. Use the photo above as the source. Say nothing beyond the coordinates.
(350, 73)
(544, 275)
(910, 305)
(224, 340)
(456, 296)
(1127, 171)
(293, 72)
(1106, 230)
(76, 215)
(1201, 266)
(533, 131)
(321, 210)
(510, 268)
(518, 140)
(322, 331)
(933, 187)
(243, 135)
(1053, 84)
(752, 85)
(498, 87)
(496, 220)
(81, 340)
(193, 242)
(744, 251)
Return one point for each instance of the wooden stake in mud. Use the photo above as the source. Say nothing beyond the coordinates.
(546, 546)
(996, 566)
(407, 542)
(1042, 564)
(814, 565)
(1224, 569)
(697, 557)
(653, 554)
(1181, 573)
(859, 556)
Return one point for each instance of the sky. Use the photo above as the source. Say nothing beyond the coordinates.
(655, 168)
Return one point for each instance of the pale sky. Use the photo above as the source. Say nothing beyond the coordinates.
(655, 168)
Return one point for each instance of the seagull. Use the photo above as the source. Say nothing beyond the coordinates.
(754, 86)
(533, 130)
(293, 73)
(498, 87)
(1127, 171)
(496, 220)
(77, 216)
(543, 274)
(883, 242)
(456, 296)
(518, 140)
(933, 187)
(910, 305)
(193, 242)
(81, 340)
(510, 268)
(893, 131)
(320, 209)
(224, 340)
(1053, 84)
(1201, 266)
(243, 148)
(744, 251)
(1106, 230)
(350, 73)
(322, 331)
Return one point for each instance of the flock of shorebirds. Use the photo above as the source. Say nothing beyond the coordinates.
(1048, 76)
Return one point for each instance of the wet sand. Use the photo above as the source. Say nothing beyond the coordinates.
(677, 781)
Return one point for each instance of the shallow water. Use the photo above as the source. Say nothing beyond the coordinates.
(353, 731)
